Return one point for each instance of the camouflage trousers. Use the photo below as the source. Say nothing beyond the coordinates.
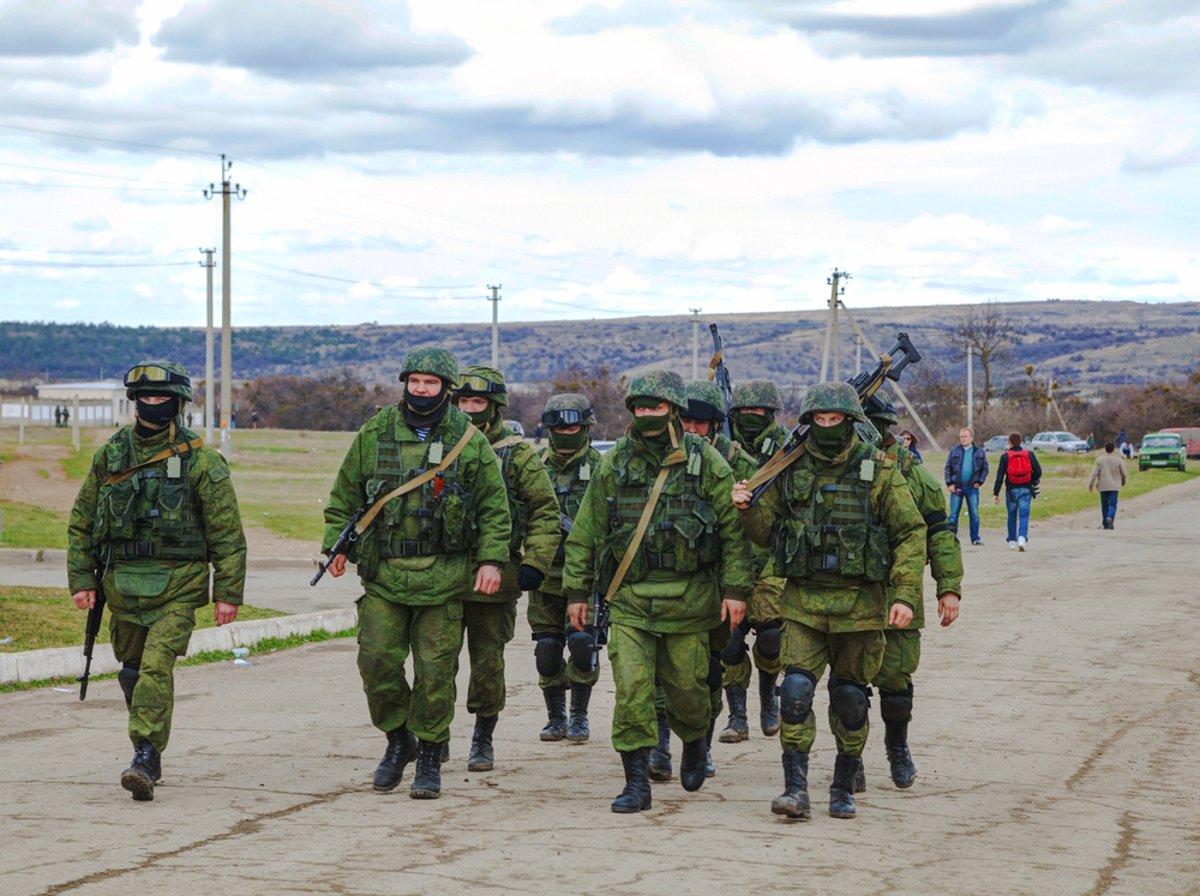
(762, 606)
(901, 656)
(717, 639)
(854, 656)
(153, 650)
(489, 627)
(387, 633)
(548, 613)
(679, 662)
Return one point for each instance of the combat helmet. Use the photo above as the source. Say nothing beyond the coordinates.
(839, 397)
(879, 408)
(756, 394)
(661, 385)
(478, 381)
(436, 361)
(568, 409)
(704, 401)
(158, 377)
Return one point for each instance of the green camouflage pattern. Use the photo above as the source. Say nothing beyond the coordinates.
(901, 657)
(830, 397)
(492, 387)
(547, 612)
(663, 385)
(183, 390)
(765, 445)
(436, 361)
(756, 394)
(153, 649)
(881, 411)
(640, 658)
(706, 394)
(488, 628)
(571, 401)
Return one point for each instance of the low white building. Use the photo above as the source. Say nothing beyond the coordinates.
(100, 403)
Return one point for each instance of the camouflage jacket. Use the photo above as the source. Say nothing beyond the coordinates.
(141, 589)
(768, 443)
(570, 475)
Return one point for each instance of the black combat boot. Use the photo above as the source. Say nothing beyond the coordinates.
(660, 756)
(738, 728)
(427, 781)
(482, 757)
(860, 777)
(127, 678)
(577, 730)
(710, 770)
(556, 713)
(841, 791)
(636, 795)
(895, 739)
(768, 714)
(793, 802)
(143, 771)
(401, 748)
(691, 766)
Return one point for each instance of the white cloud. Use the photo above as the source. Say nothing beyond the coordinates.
(1058, 224)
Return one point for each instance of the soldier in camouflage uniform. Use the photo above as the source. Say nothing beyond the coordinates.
(156, 508)
(571, 461)
(490, 619)
(944, 556)
(691, 569)
(418, 559)
(845, 533)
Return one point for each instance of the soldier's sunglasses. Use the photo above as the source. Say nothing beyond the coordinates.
(564, 417)
(152, 374)
(477, 384)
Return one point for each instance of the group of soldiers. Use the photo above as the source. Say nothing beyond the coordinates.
(454, 516)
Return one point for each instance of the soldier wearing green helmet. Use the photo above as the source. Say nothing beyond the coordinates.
(845, 533)
(490, 619)
(155, 511)
(571, 461)
(752, 419)
(418, 558)
(657, 532)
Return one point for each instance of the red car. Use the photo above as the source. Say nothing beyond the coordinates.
(1190, 436)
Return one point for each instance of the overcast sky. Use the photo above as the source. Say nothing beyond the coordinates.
(593, 158)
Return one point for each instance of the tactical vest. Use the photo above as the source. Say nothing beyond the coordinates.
(437, 518)
(150, 514)
(682, 535)
(570, 483)
(518, 508)
(830, 532)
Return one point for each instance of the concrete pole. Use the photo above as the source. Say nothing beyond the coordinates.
(21, 424)
(695, 343)
(970, 391)
(495, 300)
(75, 422)
(208, 351)
(226, 323)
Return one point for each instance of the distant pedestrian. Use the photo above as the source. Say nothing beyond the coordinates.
(538, 432)
(1123, 445)
(1109, 474)
(57, 416)
(66, 415)
(910, 442)
(254, 419)
(1091, 442)
(966, 472)
(1020, 473)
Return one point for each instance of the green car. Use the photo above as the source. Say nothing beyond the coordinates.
(1162, 449)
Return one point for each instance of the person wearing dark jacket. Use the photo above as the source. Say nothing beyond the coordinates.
(1019, 490)
(966, 472)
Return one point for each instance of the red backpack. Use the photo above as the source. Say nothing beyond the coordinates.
(1020, 470)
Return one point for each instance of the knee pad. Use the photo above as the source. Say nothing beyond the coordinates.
(735, 650)
(715, 673)
(547, 653)
(896, 707)
(796, 695)
(579, 646)
(849, 702)
(770, 639)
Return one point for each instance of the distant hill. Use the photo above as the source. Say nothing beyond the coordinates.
(1092, 344)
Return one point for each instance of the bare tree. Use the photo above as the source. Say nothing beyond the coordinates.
(990, 332)
(606, 393)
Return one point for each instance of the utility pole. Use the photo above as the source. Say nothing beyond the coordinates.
(695, 342)
(227, 190)
(494, 298)
(857, 354)
(208, 349)
(831, 325)
(970, 390)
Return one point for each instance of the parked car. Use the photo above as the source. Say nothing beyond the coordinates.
(602, 445)
(515, 426)
(1057, 441)
(1162, 449)
(996, 444)
(1190, 436)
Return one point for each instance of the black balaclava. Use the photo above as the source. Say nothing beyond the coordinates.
(424, 411)
(831, 439)
(151, 418)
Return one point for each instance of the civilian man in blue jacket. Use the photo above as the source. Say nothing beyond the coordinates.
(966, 472)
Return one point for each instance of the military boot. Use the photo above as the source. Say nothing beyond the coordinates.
(143, 771)
(556, 713)
(710, 770)
(577, 729)
(738, 728)
(895, 739)
(860, 777)
(483, 757)
(793, 802)
(660, 755)
(691, 766)
(127, 678)
(401, 748)
(768, 714)
(427, 781)
(636, 795)
(841, 791)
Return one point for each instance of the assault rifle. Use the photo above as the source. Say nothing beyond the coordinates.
(565, 525)
(866, 384)
(345, 538)
(584, 647)
(719, 373)
(90, 631)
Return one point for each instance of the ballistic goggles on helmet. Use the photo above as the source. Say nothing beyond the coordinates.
(153, 375)
(470, 384)
(565, 417)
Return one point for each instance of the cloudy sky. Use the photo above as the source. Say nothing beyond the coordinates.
(593, 158)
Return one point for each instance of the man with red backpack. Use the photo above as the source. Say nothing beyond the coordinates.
(1020, 473)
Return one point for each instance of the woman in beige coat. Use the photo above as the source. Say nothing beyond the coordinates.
(1108, 474)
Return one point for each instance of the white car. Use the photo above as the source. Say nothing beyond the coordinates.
(1058, 441)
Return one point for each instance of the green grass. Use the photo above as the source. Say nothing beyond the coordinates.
(76, 465)
(28, 526)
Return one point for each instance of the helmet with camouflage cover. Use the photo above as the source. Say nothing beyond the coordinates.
(831, 397)
(756, 394)
(478, 381)
(879, 409)
(436, 361)
(158, 377)
(704, 401)
(567, 409)
(662, 385)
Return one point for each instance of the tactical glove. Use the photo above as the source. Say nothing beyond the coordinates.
(528, 578)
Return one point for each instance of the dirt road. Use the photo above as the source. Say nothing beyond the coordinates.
(1055, 735)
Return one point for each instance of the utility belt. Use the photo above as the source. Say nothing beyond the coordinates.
(407, 547)
(142, 550)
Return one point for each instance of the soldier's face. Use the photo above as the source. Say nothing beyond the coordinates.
(828, 418)
(567, 430)
(154, 399)
(473, 404)
(762, 412)
(424, 384)
(696, 427)
(659, 410)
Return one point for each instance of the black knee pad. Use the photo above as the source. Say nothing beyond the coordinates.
(770, 639)
(735, 650)
(896, 707)
(796, 695)
(849, 702)
(579, 646)
(548, 653)
(715, 673)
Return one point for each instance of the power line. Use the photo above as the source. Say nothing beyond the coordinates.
(173, 149)
(360, 280)
(18, 263)
(88, 174)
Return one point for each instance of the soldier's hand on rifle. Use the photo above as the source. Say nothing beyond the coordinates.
(733, 611)
(487, 579)
(223, 612)
(84, 600)
(741, 495)
(578, 614)
(901, 615)
(337, 565)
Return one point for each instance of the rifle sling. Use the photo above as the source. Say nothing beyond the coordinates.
(184, 448)
(776, 465)
(417, 481)
(508, 442)
(639, 533)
